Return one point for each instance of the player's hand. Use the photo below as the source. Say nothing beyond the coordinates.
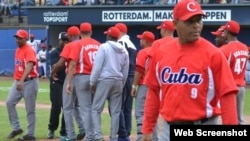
(133, 91)
(92, 89)
(68, 89)
(146, 137)
(19, 85)
(54, 76)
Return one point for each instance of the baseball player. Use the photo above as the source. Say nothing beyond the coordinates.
(107, 79)
(237, 56)
(125, 123)
(219, 39)
(56, 88)
(35, 43)
(187, 73)
(25, 86)
(82, 58)
(139, 89)
(41, 57)
(70, 101)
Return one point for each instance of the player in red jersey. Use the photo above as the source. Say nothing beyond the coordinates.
(167, 34)
(139, 89)
(70, 101)
(25, 86)
(219, 39)
(186, 79)
(82, 58)
(237, 55)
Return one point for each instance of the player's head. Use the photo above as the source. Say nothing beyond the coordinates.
(113, 33)
(188, 20)
(43, 46)
(63, 39)
(219, 36)
(73, 33)
(86, 29)
(166, 28)
(232, 29)
(122, 27)
(21, 37)
(146, 38)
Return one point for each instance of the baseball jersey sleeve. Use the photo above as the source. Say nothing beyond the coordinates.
(74, 53)
(66, 51)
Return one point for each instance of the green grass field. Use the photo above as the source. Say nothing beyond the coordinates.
(43, 114)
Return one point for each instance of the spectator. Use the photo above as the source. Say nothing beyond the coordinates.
(52, 2)
(5, 7)
(107, 79)
(35, 43)
(41, 57)
(25, 86)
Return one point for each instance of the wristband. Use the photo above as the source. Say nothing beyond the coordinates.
(134, 86)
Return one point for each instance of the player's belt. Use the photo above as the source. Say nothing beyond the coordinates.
(27, 79)
(189, 122)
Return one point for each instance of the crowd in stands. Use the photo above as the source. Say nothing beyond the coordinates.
(10, 7)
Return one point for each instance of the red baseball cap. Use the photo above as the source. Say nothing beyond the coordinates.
(43, 45)
(219, 31)
(166, 24)
(113, 31)
(73, 30)
(22, 34)
(86, 27)
(186, 9)
(147, 35)
(122, 27)
(232, 26)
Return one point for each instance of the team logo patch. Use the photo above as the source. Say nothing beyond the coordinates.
(181, 77)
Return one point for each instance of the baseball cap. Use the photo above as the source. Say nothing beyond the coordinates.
(122, 27)
(219, 31)
(73, 30)
(113, 31)
(21, 34)
(43, 45)
(147, 35)
(185, 9)
(86, 27)
(62, 35)
(232, 26)
(166, 24)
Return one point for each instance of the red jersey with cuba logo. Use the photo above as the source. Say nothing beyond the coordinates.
(191, 78)
(84, 54)
(237, 56)
(24, 55)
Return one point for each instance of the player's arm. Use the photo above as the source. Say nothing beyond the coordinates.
(137, 77)
(43, 40)
(152, 103)
(71, 71)
(58, 66)
(228, 110)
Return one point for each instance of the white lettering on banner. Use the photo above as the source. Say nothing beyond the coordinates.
(217, 15)
(128, 16)
(159, 15)
(59, 16)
